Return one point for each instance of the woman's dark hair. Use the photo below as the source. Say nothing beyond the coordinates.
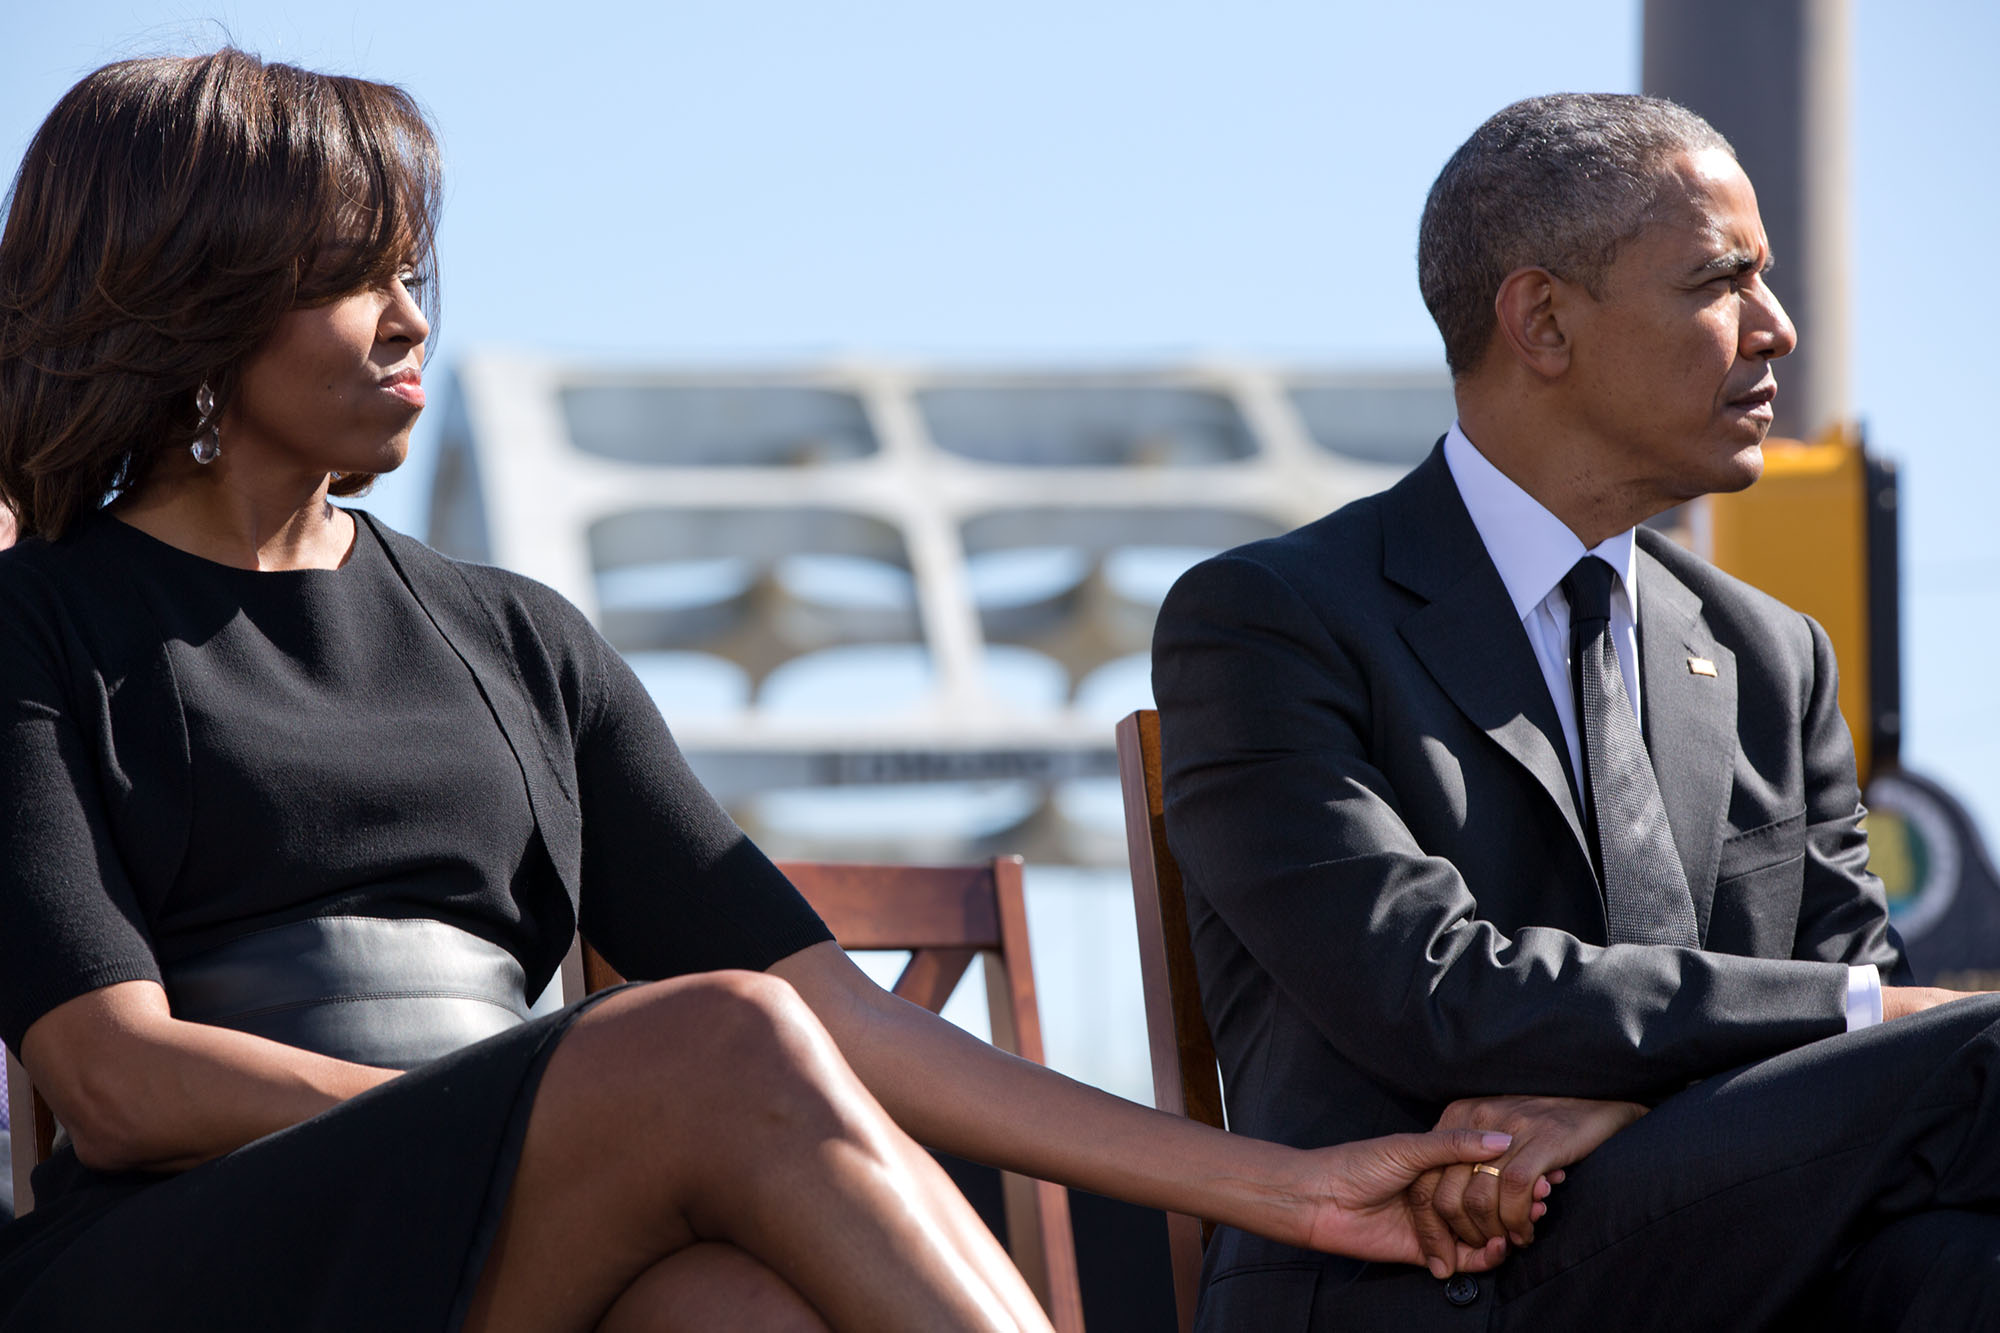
(167, 214)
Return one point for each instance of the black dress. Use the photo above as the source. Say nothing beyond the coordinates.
(191, 752)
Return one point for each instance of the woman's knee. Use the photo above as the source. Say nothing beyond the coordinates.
(728, 1034)
(741, 1019)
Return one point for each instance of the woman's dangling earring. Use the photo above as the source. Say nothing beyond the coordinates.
(207, 446)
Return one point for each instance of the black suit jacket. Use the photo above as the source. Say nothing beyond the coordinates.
(1389, 892)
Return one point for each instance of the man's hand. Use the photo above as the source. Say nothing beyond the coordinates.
(1902, 1001)
(1357, 1199)
(1457, 1208)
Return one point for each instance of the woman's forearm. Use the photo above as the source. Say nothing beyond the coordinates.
(140, 1090)
(955, 1092)
(984, 1104)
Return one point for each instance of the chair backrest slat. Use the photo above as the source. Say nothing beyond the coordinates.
(1185, 1079)
(901, 907)
(31, 1126)
(932, 975)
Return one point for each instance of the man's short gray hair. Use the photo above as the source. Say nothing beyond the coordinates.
(1553, 182)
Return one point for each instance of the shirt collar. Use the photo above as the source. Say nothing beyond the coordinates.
(1531, 547)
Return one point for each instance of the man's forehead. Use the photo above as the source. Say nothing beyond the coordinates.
(1712, 239)
(1706, 216)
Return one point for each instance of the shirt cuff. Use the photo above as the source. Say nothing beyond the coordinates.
(1864, 997)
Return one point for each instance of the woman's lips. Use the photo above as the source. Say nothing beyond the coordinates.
(407, 385)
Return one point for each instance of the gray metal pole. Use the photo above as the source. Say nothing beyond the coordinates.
(1774, 77)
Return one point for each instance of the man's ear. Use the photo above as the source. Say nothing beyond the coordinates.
(1528, 312)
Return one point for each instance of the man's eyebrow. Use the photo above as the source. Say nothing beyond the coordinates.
(1733, 262)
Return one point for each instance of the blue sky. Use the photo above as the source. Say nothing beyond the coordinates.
(1102, 181)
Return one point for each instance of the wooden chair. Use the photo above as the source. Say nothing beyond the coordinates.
(32, 1127)
(1185, 1079)
(945, 915)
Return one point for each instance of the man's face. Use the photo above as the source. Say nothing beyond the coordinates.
(1671, 367)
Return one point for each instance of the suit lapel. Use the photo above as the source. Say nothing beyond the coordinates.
(1690, 722)
(1468, 636)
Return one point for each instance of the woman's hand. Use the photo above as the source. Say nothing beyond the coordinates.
(1359, 1200)
(1456, 1207)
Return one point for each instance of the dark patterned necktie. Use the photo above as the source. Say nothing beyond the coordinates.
(1645, 889)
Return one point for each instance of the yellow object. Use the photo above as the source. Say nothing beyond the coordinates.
(1892, 856)
(1801, 534)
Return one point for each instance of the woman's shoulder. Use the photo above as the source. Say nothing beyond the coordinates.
(543, 636)
(91, 551)
(60, 603)
(494, 586)
(31, 558)
(23, 561)
(28, 592)
(40, 578)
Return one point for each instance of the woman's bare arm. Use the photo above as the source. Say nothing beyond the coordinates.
(952, 1091)
(139, 1089)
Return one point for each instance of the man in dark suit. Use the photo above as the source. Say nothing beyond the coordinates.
(1494, 806)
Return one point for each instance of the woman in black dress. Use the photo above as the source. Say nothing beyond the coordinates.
(289, 803)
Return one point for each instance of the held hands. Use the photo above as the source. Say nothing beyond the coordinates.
(1457, 1211)
(1456, 1208)
(1357, 1197)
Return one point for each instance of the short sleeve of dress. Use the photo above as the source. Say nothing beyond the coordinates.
(670, 884)
(69, 920)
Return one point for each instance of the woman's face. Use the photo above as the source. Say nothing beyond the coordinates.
(336, 387)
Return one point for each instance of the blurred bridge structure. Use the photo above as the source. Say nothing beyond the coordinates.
(891, 611)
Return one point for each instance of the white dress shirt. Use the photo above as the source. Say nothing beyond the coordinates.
(1533, 550)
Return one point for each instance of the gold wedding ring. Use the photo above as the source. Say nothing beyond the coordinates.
(1488, 1168)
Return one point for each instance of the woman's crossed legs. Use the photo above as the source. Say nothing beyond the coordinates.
(700, 1144)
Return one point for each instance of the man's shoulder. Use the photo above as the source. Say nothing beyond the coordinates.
(1732, 608)
(1348, 537)
(1328, 563)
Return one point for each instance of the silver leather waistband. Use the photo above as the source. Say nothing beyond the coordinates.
(366, 989)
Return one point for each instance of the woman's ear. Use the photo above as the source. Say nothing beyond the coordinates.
(1529, 311)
